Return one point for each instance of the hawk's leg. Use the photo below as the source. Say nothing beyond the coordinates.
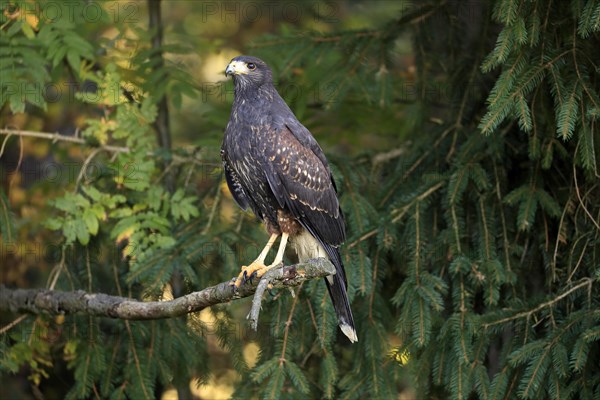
(276, 262)
(257, 264)
(279, 257)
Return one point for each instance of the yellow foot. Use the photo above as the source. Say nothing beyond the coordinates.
(256, 269)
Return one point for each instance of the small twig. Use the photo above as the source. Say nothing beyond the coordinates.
(284, 275)
(258, 295)
(167, 168)
(582, 283)
(11, 180)
(57, 270)
(138, 366)
(379, 159)
(579, 260)
(314, 321)
(189, 175)
(86, 163)
(54, 137)
(4, 144)
(388, 156)
(8, 327)
(581, 202)
(558, 237)
(286, 331)
(213, 210)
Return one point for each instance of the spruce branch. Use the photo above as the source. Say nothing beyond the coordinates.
(54, 302)
(583, 283)
(399, 213)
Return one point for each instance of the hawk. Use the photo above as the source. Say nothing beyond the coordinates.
(275, 167)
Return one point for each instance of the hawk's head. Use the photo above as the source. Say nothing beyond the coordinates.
(249, 71)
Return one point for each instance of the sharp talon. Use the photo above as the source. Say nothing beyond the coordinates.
(252, 276)
(249, 272)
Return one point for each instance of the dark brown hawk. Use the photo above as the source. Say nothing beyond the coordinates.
(275, 167)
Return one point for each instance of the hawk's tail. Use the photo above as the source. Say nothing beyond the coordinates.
(336, 285)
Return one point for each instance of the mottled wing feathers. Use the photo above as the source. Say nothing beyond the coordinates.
(303, 135)
(301, 182)
(283, 118)
(235, 187)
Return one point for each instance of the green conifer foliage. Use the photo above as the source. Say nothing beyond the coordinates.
(481, 239)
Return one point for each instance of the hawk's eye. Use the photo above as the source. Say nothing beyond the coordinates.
(251, 66)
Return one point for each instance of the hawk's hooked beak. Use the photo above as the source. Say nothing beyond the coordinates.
(236, 68)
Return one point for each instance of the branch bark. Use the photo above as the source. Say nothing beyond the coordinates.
(161, 124)
(54, 302)
(57, 137)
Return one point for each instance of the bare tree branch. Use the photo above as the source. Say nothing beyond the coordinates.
(54, 137)
(57, 137)
(53, 302)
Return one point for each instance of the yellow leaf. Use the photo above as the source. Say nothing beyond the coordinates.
(32, 20)
(125, 235)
